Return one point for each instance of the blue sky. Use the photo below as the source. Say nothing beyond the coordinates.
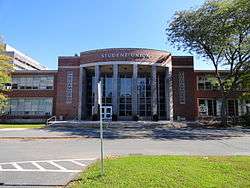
(46, 29)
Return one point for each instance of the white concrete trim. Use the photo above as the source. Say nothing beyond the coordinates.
(68, 67)
(187, 66)
(35, 71)
(171, 100)
(125, 63)
(80, 95)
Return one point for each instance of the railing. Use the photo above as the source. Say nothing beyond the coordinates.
(50, 120)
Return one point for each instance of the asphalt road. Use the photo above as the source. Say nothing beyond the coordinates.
(52, 170)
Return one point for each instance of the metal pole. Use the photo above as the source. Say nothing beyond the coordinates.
(101, 128)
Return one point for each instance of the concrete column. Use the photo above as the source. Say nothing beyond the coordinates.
(168, 95)
(115, 90)
(80, 95)
(84, 94)
(134, 90)
(153, 90)
(97, 79)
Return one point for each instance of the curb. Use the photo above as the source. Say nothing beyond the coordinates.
(43, 138)
(73, 137)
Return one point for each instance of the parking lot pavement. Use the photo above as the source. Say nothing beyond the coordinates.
(54, 162)
(53, 172)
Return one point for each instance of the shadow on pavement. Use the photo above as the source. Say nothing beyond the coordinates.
(157, 132)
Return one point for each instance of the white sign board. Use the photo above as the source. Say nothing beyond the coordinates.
(99, 87)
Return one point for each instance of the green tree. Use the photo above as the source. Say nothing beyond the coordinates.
(5, 77)
(219, 32)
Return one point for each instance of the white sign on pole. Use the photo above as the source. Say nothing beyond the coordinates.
(99, 87)
(99, 93)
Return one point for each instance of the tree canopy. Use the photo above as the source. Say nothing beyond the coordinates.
(213, 29)
(219, 31)
(5, 71)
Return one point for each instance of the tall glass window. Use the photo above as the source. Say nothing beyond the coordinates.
(144, 95)
(125, 95)
(90, 91)
(107, 87)
(161, 99)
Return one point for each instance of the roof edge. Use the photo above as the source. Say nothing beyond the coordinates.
(104, 49)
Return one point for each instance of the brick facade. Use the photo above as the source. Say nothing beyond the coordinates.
(66, 91)
(184, 64)
(67, 110)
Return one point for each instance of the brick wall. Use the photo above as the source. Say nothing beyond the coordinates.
(187, 110)
(67, 110)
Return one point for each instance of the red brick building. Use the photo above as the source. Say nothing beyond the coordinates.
(136, 83)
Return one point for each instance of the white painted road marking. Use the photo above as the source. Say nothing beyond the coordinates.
(78, 163)
(56, 165)
(39, 168)
(17, 166)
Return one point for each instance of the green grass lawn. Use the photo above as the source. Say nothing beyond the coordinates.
(168, 171)
(30, 126)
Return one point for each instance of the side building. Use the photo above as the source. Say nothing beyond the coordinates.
(33, 96)
(20, 61)
(137, 83)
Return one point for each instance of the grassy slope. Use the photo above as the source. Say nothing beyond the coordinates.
(31, 126)
(169, 171)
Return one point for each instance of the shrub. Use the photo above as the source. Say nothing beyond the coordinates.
(135, 117)
(155, 117)
(245, 120)
(114, 117)
(95, 117)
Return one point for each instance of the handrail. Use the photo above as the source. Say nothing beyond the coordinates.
(48, 121)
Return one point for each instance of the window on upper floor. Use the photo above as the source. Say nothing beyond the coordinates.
(35, 82)
(206, 83)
